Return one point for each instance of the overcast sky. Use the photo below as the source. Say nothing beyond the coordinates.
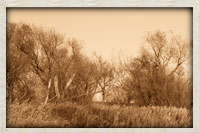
(108, 31)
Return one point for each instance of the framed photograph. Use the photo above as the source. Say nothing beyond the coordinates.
(100, 66)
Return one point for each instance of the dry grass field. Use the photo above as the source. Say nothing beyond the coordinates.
(96, 115)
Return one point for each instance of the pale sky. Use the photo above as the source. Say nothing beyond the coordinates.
(108, 31)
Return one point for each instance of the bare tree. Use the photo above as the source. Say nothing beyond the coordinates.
(168, 52)
(152, 74)
(106, 75)
(45, 53)
(16, 64)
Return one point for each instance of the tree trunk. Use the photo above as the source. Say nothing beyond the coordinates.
(166, 91)
(103, 94)
(56, 87)
(48, 90)
(69, 81)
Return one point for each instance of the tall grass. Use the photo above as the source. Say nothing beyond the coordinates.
(96, 115)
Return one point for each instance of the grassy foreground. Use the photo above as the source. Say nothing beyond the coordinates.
(71, 115)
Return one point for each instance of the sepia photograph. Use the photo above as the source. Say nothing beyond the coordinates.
(99, 68)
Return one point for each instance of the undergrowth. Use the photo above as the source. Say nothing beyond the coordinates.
(72, 115)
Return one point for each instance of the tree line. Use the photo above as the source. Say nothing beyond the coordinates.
(39, 57)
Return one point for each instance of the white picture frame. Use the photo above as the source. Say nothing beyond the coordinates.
(195, 4)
